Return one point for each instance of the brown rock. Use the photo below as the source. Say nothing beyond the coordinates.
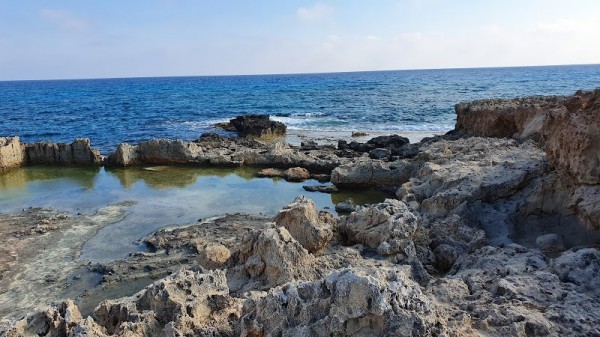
(12, 153)
(296, 174)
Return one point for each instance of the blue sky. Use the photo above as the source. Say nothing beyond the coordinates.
(124, 38)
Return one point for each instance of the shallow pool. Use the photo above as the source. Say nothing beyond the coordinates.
(162, 196)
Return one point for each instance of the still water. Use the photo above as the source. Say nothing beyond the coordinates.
(159, 196)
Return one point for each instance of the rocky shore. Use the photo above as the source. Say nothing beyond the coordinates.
(493, 232)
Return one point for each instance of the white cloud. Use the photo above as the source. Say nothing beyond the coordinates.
(64, 19)
(316, 12)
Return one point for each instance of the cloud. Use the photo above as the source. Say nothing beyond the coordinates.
(64, 19)
(316, 12)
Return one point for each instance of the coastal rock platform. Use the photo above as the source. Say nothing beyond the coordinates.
(493, 232)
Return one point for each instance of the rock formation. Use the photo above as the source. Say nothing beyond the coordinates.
(257, 125)
(12, 153)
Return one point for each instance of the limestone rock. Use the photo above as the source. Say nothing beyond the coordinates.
(371, 173)
(56, 321)
(550, 243)
(296, 174)
(321, 188)
(79, 152)
(12, 153)
(214, 256)
(186, 303)
(257, 125)
(349, 302)
(302, 221)
(268, 258)
(579, 267)
(389, 227)
(572, 139)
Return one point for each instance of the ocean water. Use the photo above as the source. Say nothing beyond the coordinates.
(111, 111)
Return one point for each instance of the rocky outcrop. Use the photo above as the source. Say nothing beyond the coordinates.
(572, 138)
(80, 152)
(567, 125)
(221, 151)
(372, 173)
(305, 224)
(257, 126)
(296, 174)
(268, 258)
(349, 302)
(12, 153)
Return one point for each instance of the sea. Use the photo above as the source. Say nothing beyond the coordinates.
(111, 111)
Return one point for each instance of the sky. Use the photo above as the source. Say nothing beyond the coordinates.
(56, 39)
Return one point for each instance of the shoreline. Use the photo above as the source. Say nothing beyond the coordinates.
(494, 230)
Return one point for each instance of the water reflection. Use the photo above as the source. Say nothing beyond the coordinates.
(162, 196)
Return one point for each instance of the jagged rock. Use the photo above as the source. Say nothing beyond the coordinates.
(389, 227)
(567, 125)
(56, 321)
(303, 222)
(321, 188)
(296, 174)
(213, 256)
(184, 304)
(345, 206)
(580, 267)
(268, 258)
(349, 302)
(572, 139)
(270, 173)
(371, 173)
(257, 125)
(12, 153)
(79, 152)
(125, 155)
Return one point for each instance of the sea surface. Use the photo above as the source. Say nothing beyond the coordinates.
(111, 111)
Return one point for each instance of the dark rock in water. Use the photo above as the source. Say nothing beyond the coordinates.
(322, 178)
(321, 188)
(227, 126)
(380, 153)
(392, 141)
(346, 206)
(257, 125)
(359, 134)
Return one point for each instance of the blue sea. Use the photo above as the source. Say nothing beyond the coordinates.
(111, 111)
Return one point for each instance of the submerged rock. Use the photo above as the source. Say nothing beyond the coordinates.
(346, 206)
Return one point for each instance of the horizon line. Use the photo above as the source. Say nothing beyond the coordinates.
(297, 73)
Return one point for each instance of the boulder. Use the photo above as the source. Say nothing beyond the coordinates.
(391, 142)
(268, 258)
(79, 152)
(380, 153)
(12, 153)
(56, 321)
(371, 173)
(389, 227)
(348, 302)
(550, 243)
(258, 126)
(303, 222)
(296, 174)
